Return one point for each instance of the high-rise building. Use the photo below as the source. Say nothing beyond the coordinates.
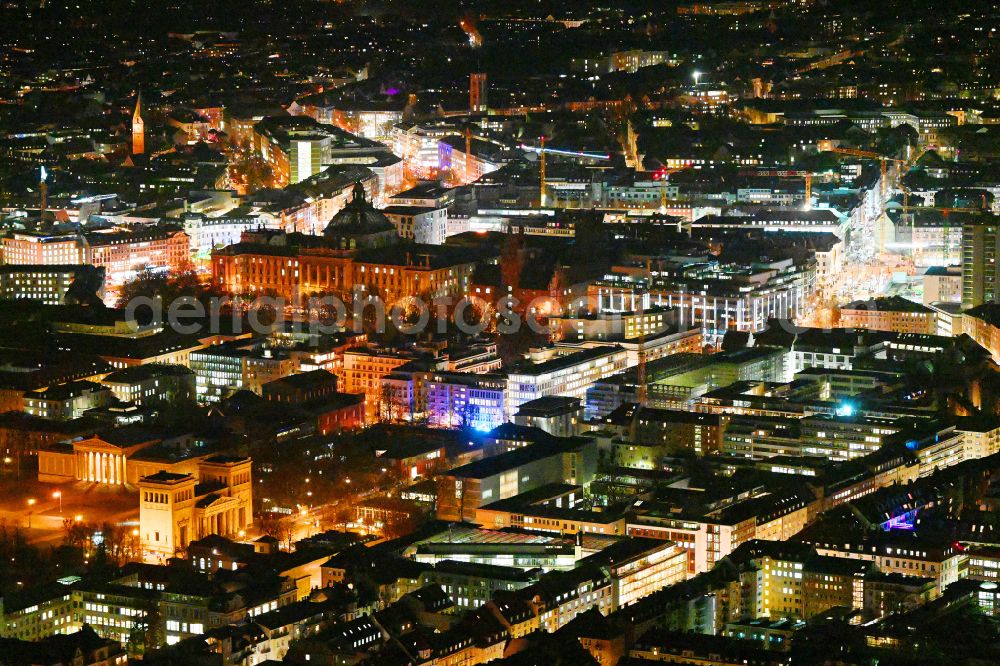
(306, 157)
(477, 92)
(138, 130)
(297, 148)
(980, 271)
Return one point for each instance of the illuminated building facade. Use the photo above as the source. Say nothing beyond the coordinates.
(176, 509)
(364, 371)
(845, 436)
(420, 145)
(391, 273)
(710, 535)
(46, 615)
(944, 563)
(424, 225)
(461, 491)
(66, 401)
(152, 383)
(561, 370)
(557, 415)
(795, 581)
(34, 248)
(717, 298)
(298, 148)
(124, 254)
(469, 400)
(478, 101)
(470, 161)
(121, 254)
(138, 130)
(980, 266)
(639, 567)
(473, 585)
(982, 324)
(206, 233)
(895, 314)
(47, 284)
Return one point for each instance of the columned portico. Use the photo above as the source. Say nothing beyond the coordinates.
(100, 467)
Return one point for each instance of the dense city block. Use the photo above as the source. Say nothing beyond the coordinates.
(523, 332)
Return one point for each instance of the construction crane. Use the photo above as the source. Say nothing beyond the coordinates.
(784, 173)
(631, 146)
(541, 172)
(542, 151)
(883, 161)
(43, 191)
(664, 174)
(640, 388)
(945, 212)
(468, 152)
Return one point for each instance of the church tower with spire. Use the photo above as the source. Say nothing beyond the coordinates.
(138, 129)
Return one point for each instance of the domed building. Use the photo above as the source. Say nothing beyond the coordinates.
(360, 226)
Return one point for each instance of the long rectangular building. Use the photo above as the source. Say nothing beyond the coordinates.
(49, 284)
(121, 253)
(305, 266)
(716, 297)
(464, 489)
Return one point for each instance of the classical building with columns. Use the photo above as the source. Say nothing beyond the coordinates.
(100, 458)
(120, 457)
(176, 509)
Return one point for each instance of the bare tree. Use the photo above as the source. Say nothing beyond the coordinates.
(269, 524)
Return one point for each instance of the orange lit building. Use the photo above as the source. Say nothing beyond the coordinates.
(982, 324)
(138, 130)
(307, 265)
(123, 254)
(363, 371)
(894, 313)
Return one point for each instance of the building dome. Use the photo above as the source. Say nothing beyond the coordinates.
(358, 219)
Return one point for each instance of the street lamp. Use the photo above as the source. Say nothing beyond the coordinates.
(31, 503)
(58, 495)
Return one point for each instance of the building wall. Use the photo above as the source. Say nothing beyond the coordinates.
(123, 259)
(328, 272)
(663, 567)
(983, 333)
(171, 515)
(30, 249)
(884, 320)
(48, 286)
(980, 268)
